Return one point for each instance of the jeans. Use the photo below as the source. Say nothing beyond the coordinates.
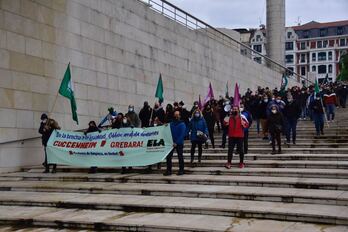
(180, 150)
(211, 136)
(304, 112)
(343, 100)
(193, 148)
(291, 129)
(232, 142)
(276, 136)
(318, 122)
(258, 125)
(224, 134)
(245, 141)
(330, 111)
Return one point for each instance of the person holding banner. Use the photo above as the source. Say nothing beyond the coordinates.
(178, 130)
(199, 134)
(109, 117)
(47, 126)
(318, 114)
(92, 127)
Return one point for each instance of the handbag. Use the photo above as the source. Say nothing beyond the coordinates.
(201, 136)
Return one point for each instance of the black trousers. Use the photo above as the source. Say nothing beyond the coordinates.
(193, 149)
(211, 136)
(179, 150)
(276, 136)
(224, 134)
(232, 142)
(245, 141)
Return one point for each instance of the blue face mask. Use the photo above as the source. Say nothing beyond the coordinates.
(197, 115)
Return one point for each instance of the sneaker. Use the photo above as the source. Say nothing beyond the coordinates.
(228, 165)
(180, 173)
(241, 165)
(54, 170)
(265, 138)
(270, 142)
(273, 152)
(167, 174)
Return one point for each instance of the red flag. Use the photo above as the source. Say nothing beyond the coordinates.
(210, 94)
(236, 98)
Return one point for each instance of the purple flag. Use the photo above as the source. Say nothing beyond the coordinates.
(200, 103)
(210, 94)
(236, 98)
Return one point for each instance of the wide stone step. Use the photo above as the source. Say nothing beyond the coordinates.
(285, 150)
(211, 179)
(315, 213)
(48, 219)
(308, 196)
(273, 163)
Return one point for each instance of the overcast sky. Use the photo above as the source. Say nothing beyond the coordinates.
(249, 13)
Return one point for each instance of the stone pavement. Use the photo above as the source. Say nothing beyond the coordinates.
(303, 189)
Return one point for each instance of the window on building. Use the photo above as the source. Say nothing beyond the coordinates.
(257, 59)
(314, 56)
(330, 55)
(342, 42)
(321, 69)
(306, 34)
(291, 69)
(325, 43)
(303, 71)
(323, 32)
(289, 46)
(340, 30)
(289, 58)
(321, 56)
(331, 43)
(258, 48)
(258, 38)
(319, 44)
(330, 68)
(289, 34)
(314, 68)
(303, 45)
(303, 58)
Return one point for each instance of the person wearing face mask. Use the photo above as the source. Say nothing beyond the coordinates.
(92, 127)
(209, 117)
(194, 107)
(158, 111)
(199, 134)
(236, 124)
(133, 117)
(262, 113)
(275, 123)
(47, 126)
(318, 114)
(292, 113)
(330, 101)
(303, 103)
(169, 115)
(249, 117)
(178, 130)
(145, 114)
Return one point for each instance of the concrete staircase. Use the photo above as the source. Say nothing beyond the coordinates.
(303, 189)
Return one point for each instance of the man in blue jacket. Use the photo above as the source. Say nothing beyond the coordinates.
(178, 129)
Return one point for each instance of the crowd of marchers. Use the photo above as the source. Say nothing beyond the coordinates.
(274, 112)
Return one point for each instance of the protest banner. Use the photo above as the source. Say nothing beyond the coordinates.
(110, 148)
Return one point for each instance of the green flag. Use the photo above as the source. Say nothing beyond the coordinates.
(66, 89)
(316, 86)
(343, 66)
(159, 89)
(284, 84)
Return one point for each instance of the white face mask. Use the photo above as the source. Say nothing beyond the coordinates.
(131, 109)
(125, 120)
(241, 109)
(278, 100)
(274, 111)
(44, 121)
(155, 124)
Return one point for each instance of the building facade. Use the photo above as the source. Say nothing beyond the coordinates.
(311, 50)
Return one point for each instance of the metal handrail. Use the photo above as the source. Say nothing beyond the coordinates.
(161, 6)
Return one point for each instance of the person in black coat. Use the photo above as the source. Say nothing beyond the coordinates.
(47, 126)
(262, 114)
(275, 122)
(209, 117)
(145, 115)
(92, 127)
(292, 112)
(158, 111)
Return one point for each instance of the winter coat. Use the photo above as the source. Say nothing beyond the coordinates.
(197, 124)
(178, 129)
(144, 116)
(316, 106)
(133, 118)
(275, 122)
(209, 119)
(236, 125)
(159, 112)
(292, 110)
(46, 130)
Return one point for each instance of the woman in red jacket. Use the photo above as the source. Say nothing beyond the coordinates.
(236, 125)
